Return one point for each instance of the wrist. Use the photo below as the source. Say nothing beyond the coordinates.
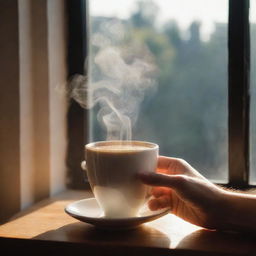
(222, 211)
(227, 209)
(237, 212)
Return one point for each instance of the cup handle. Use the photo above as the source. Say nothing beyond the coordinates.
(83, 165)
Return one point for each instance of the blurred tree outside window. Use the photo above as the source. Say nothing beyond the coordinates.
(185, 112)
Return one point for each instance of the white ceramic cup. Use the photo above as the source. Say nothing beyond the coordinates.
(112, 168)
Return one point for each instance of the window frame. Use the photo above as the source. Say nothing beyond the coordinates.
(239, 94)
(77, 118)
(238, 85)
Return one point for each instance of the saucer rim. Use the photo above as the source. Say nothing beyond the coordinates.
(105, 220)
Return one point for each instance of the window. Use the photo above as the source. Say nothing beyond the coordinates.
(185, 110)
(202, 76)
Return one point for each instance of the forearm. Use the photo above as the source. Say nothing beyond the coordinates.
(239, 212)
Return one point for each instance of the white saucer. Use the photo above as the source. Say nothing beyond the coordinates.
(88, 210)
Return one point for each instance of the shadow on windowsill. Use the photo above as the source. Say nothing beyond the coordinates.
(84, 233)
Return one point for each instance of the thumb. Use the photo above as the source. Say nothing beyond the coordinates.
(163, 180)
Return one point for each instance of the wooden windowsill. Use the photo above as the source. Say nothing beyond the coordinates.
(46, 228)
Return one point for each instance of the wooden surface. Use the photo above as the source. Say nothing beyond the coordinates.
(46, 225)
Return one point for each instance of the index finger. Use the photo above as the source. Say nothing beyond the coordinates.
(167, 163)
(171, 165)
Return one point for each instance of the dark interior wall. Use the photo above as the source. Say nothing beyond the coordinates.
(9, 110)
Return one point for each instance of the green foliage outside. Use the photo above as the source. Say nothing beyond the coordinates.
(187, 113)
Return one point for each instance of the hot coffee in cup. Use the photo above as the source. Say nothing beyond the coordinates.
(112, 168)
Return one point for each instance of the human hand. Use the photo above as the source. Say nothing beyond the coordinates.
(190, 195)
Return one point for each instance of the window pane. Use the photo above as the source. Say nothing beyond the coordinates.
(182, 90)
(253, 92)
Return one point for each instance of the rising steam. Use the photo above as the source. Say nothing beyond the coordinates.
(117, 79)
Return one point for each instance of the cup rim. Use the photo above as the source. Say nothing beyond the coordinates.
(148, 145)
